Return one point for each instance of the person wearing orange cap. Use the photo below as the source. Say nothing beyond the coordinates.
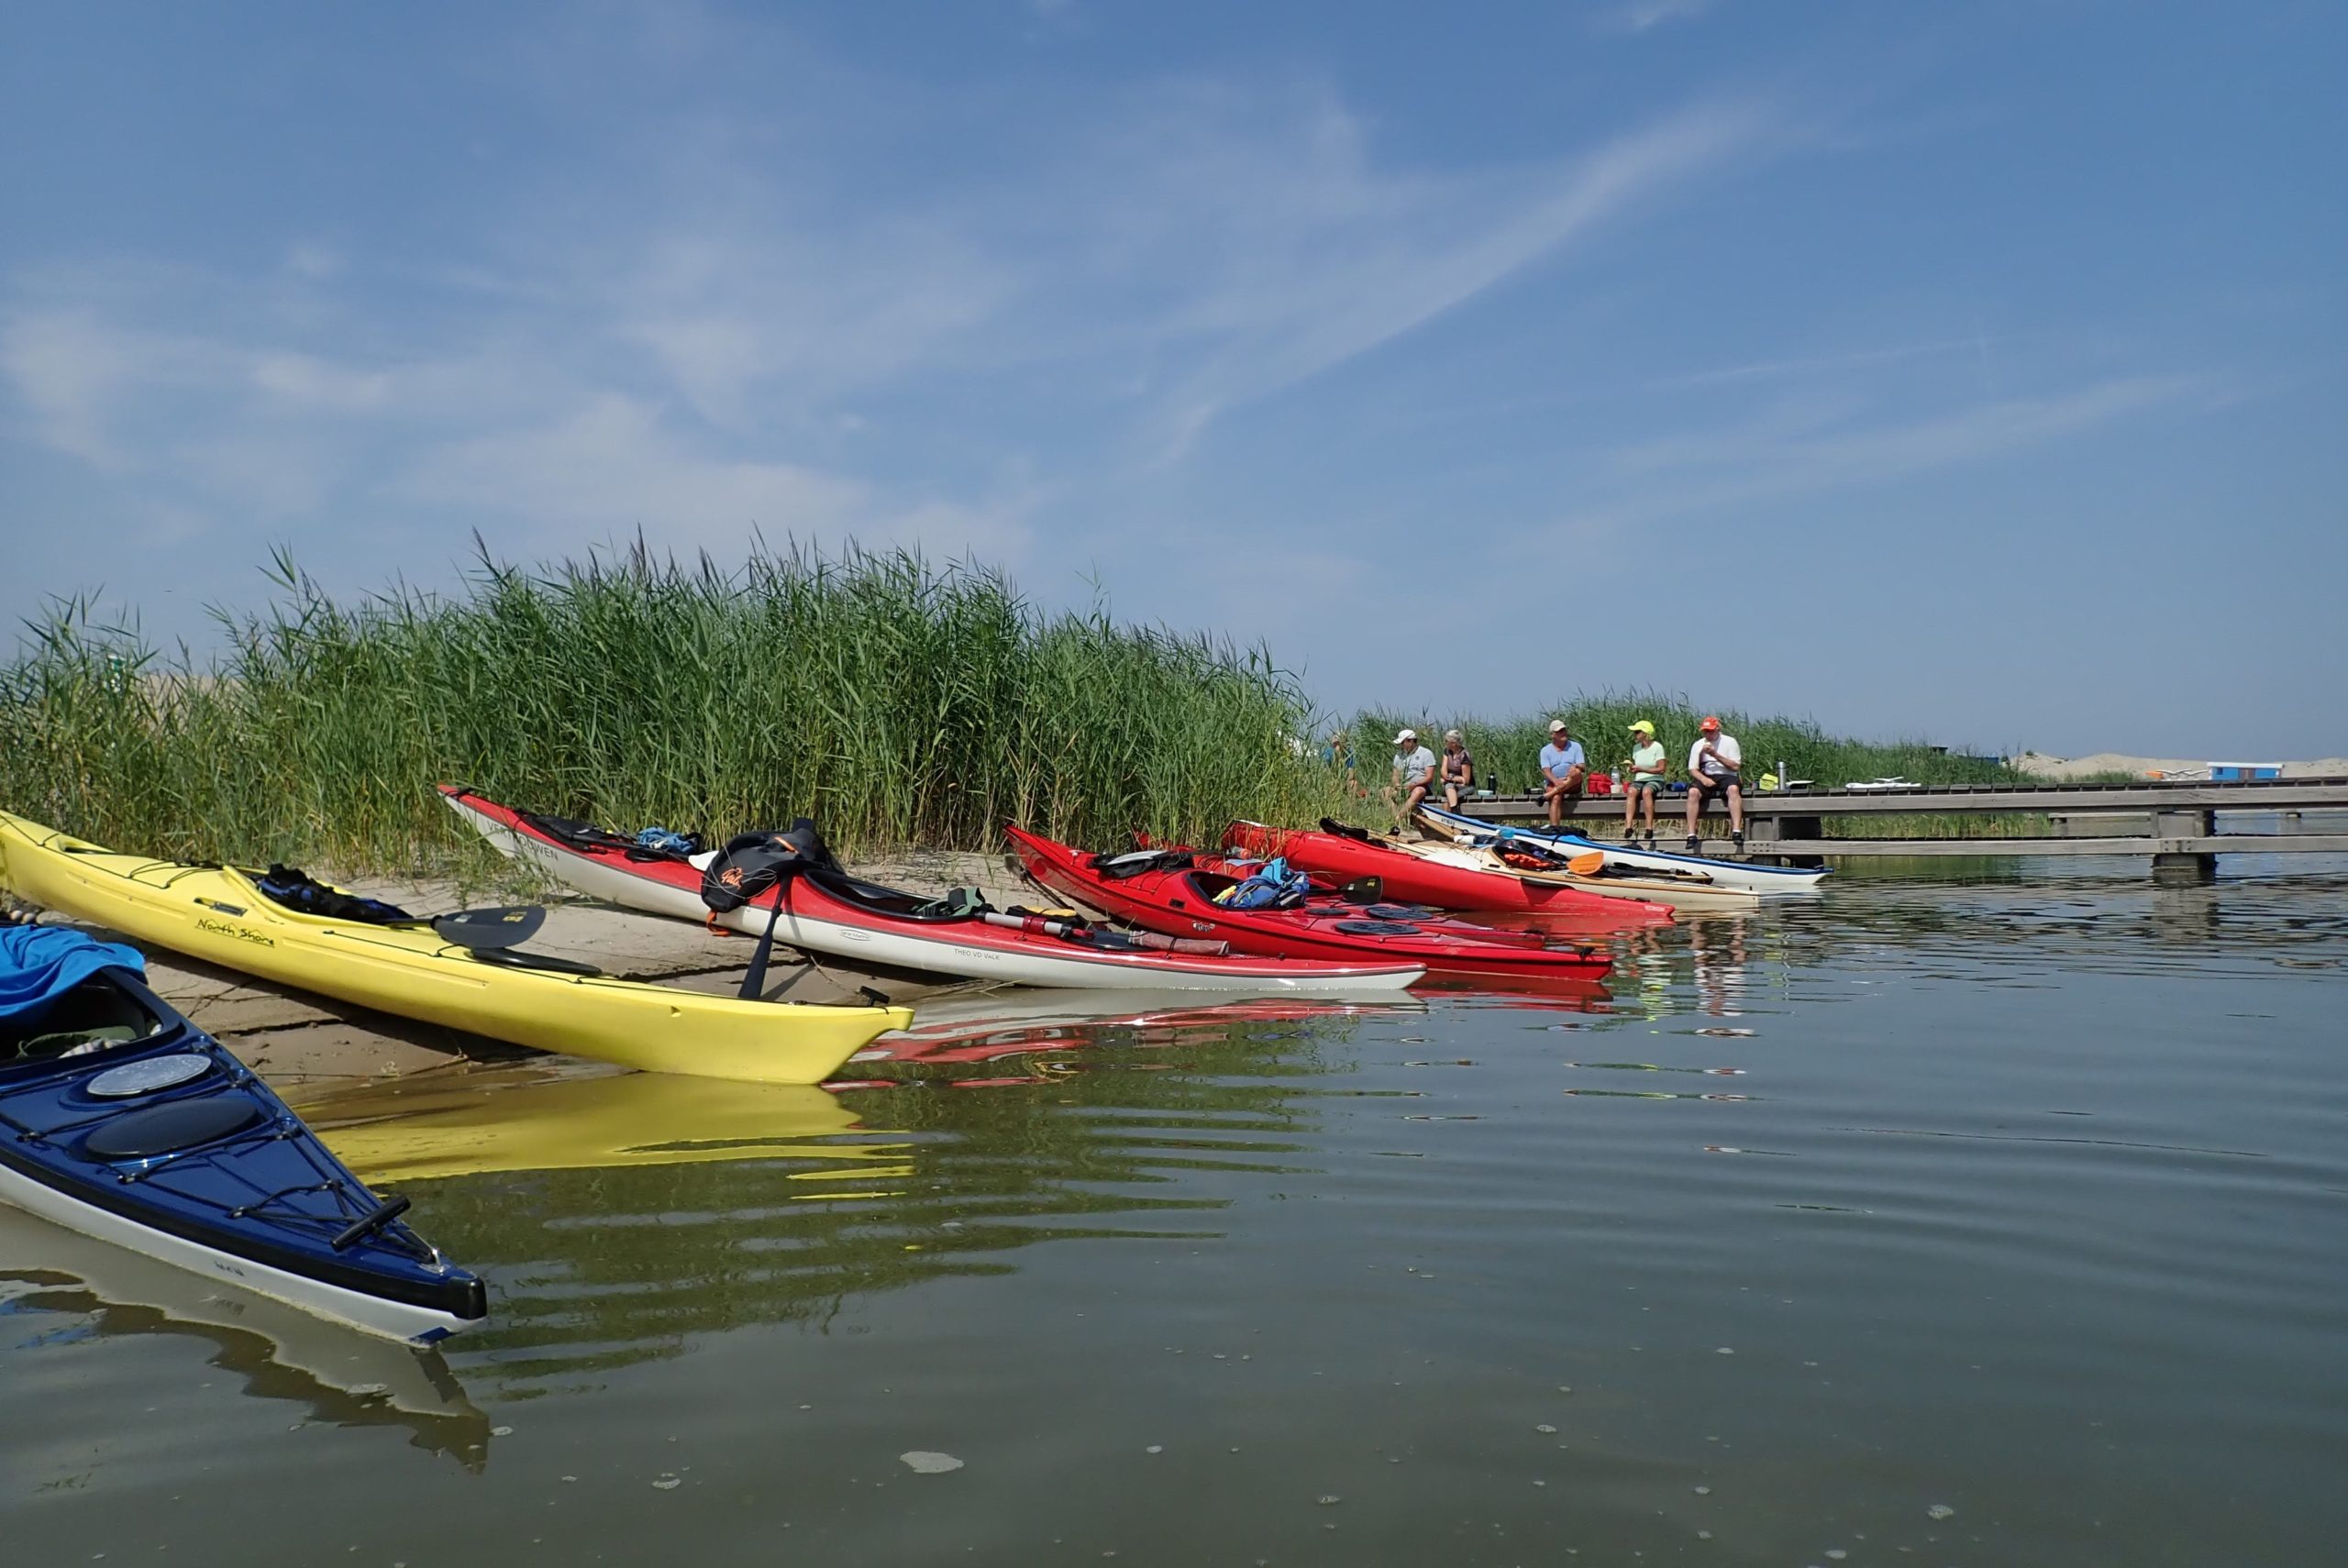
(1713, 769)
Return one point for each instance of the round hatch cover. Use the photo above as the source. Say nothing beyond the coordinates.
(146, 1076)
(168, 1129)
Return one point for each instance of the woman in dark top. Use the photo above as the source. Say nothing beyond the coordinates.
(1458, 770)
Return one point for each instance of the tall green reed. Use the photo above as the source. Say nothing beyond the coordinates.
(895, 700)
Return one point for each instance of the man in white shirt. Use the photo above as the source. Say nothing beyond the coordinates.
(1713, 770)
(1413, 777)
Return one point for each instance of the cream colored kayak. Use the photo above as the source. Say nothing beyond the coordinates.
(220, 915)
(1769, 881)
(1685, 893)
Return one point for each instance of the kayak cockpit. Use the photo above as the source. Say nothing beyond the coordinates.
(95, 1015)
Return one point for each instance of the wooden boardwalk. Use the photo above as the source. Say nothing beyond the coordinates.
(2175, 824)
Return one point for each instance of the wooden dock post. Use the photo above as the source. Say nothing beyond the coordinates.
(2179, 865)
(1763, 832)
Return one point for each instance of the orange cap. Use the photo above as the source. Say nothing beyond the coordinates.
(1710, 722)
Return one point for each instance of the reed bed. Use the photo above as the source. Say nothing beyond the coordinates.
(895, 701)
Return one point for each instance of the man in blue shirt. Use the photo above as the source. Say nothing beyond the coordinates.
(1562, 771)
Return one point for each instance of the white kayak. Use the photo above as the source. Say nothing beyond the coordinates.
(1727, 876)
(869, 924)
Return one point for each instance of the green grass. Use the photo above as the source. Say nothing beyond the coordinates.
(896, 702)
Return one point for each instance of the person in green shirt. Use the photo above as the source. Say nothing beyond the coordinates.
(1648, 764)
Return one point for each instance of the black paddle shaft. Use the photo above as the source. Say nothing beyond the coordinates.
(754, 984)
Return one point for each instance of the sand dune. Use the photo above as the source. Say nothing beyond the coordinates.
(2143, 767)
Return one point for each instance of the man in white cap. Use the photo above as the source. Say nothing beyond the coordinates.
(1563, 768)
(1413, 777)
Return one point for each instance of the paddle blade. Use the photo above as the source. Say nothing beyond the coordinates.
(508, 925)
(1589, 863)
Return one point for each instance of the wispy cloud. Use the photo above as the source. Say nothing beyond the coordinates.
(611, 468)
(1641, 16)
(721, 334)
(1821, 364)
(1776, 457)
(1342, 259)
(69, 373)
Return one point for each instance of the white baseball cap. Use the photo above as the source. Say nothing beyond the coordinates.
(1557, 725)
(1405, 735)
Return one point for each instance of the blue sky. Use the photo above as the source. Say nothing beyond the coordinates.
(1966, 371)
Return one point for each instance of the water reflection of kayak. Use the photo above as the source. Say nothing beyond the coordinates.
(342, 1377)
(980, 1026)
(954, 1024)
(534, 1117)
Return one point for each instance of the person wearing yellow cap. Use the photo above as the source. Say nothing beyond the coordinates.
(1714, 765)
(1648, 763)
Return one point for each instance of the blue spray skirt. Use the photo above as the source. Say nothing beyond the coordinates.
(164, 1143)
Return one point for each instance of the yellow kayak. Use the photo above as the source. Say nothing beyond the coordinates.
(534, 1117)
(220, 915)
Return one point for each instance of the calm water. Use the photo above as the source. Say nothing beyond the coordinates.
(1987, 1223)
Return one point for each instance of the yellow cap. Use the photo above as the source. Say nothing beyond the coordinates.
(1644, 727)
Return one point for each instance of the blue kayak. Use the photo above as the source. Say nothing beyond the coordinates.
(121, 1119)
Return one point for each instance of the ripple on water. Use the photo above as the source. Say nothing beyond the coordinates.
(2003, 1220)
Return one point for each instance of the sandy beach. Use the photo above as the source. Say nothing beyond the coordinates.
(2103, 762)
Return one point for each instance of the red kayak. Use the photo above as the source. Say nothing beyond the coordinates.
(825, 910)
(1171, 892)
(1340, 856)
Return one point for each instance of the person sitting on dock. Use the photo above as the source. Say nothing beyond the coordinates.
(1413, 777)
(1458, 770)
(1713, 763)
(1648, 764)
(1563, 769)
